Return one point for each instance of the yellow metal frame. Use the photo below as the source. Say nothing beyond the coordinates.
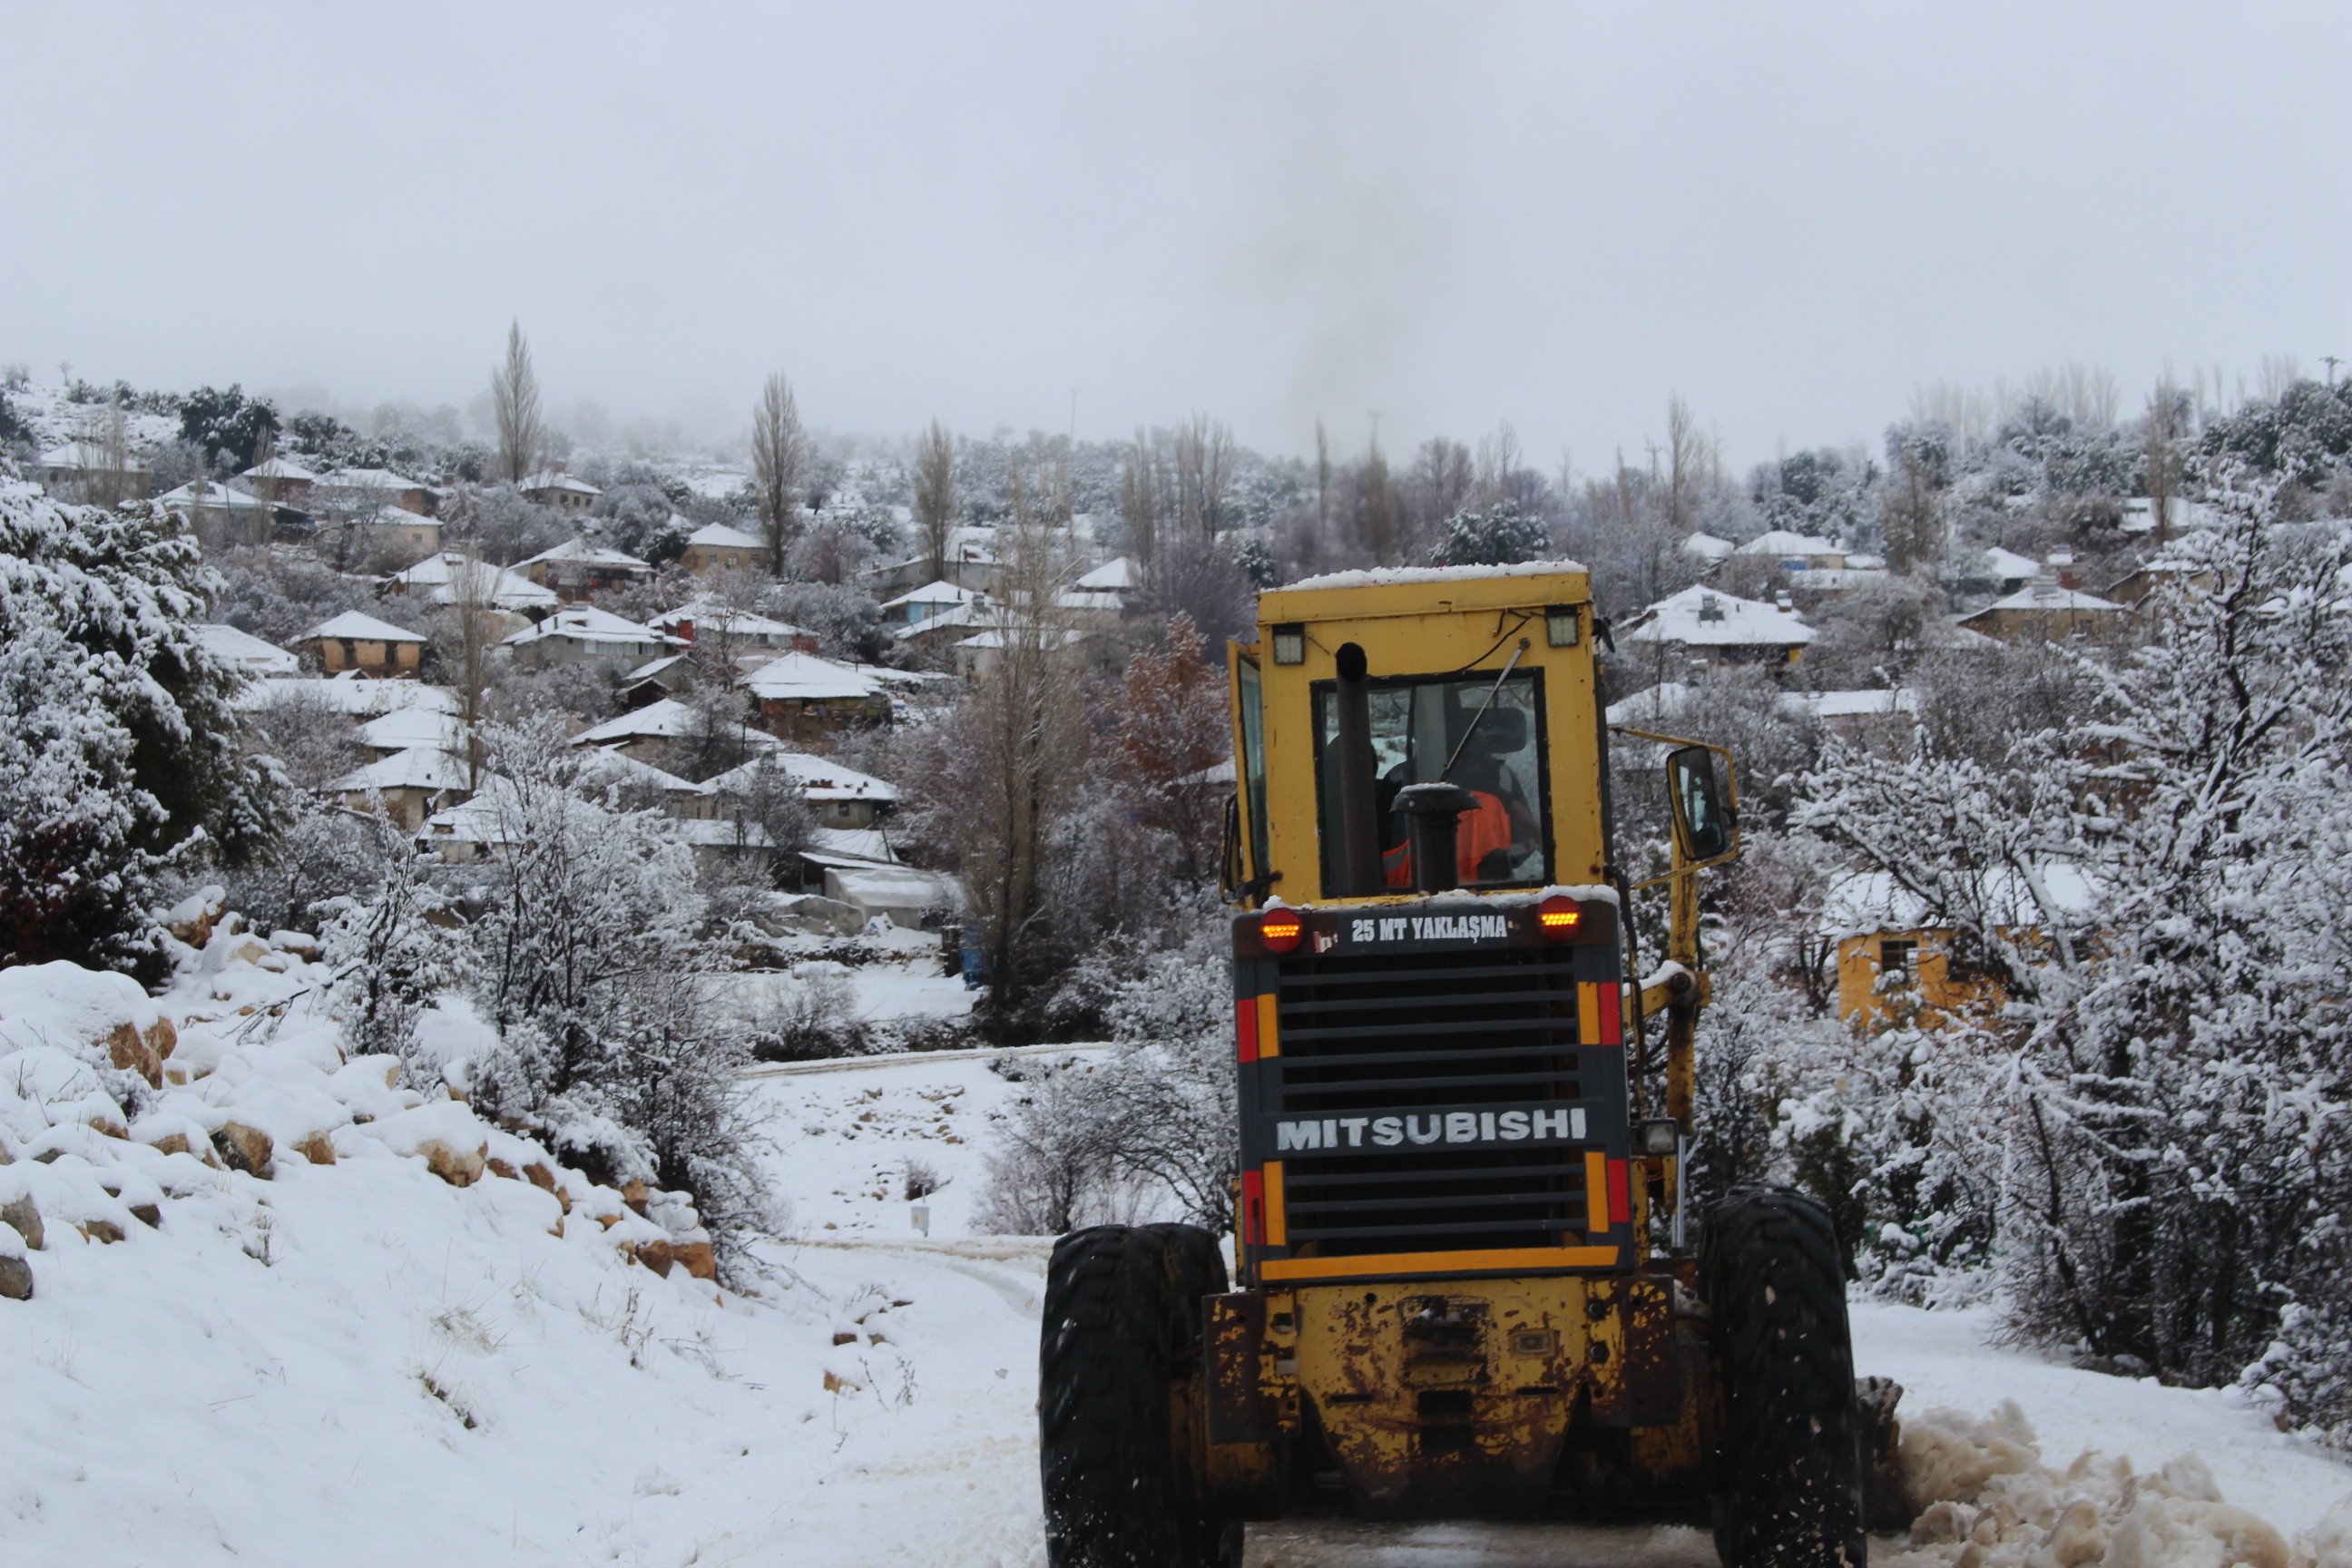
(1465, 626)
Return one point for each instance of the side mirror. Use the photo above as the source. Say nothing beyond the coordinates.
(1702, 822)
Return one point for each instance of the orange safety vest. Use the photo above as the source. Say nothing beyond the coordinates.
(1477, 834)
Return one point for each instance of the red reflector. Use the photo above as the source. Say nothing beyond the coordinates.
(1252, 1208)
(1560, 917)
(1612, 1016)
(1621, 1202)
(1245, 1029)
(1280, 930)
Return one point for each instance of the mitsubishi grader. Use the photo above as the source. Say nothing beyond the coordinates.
(1467, 1282)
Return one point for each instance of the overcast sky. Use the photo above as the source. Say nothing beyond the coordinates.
(1445, 215)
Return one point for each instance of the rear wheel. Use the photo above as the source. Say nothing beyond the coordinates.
(1792, 1488)
(1122, 1322)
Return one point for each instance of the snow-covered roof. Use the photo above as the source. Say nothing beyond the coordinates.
(1400, 576)
(1999, 563)
(819, 778)
(1860, 903)
(246, 651)
(419, 767)
(1781, 541)
(350, 692)
(404, 728)
(353, 626)
(721, 833)
(647, 672)
(587, 624)
(1828, 579)
(1707, 547)
(1708, 617)
(579, 551)
(448, 573)
(1849, 704)
(370, 479)
(719, 536)
(400, 517)
(889, 886)
(994, 637)
(804, 677)
(665, 720)
(711, 616)
(551, 480)
(2049, 596)
(277, 468)
(614, 768)
(218, 497)
(937, 593)
(1117, 575)
(852, 844)
(1651, 705)
(966, 615)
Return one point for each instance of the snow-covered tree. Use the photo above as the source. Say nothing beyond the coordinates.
(392, 955)
(2173, 1107)
(1496, 535)
(586, 961)
(119, 753)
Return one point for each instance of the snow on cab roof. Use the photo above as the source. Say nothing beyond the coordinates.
(1402, 576)
(356, 626)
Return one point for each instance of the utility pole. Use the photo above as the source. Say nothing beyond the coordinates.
(1074, 418)
(2329, 360)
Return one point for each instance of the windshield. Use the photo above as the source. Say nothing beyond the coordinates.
(1416, 724)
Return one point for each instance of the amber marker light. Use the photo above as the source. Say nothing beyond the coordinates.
(1280, 930)
(1559, 917)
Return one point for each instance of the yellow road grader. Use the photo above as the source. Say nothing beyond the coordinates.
(1467, 1285)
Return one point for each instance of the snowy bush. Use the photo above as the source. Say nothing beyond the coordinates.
(389, 945)
(586, 961)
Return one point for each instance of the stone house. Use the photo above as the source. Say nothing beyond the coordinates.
(715, 547)
(354, 641)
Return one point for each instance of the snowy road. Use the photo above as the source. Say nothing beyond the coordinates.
(359, 1364)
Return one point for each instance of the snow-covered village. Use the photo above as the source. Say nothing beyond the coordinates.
(1229, 822)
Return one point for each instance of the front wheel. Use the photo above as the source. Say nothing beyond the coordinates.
(1122, 1322)
(1791, 1483)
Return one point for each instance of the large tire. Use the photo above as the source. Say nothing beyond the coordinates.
(1791, 1472)
(1122, 1320)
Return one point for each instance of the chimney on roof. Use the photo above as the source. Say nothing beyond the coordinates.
(2061, 564)
(1788, 606)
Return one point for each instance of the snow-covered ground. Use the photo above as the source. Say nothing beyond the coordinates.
(360, 1362)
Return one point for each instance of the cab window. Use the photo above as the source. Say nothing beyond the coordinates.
(1417, 725)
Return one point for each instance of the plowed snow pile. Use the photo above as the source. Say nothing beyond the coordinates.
(1986, 1501)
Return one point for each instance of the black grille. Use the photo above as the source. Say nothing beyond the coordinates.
(1424, 1032)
